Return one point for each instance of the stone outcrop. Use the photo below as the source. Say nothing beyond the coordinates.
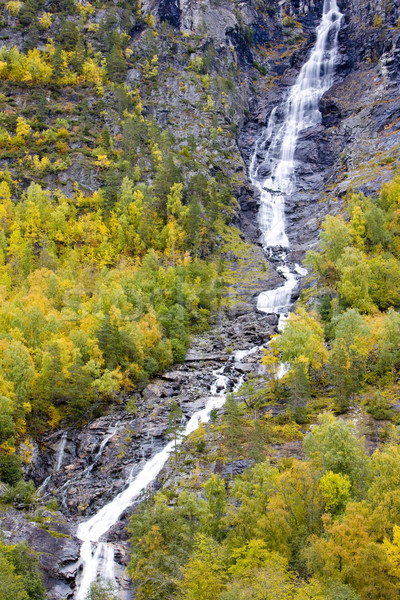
(49, 534)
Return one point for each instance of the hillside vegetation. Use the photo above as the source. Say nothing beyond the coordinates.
(124, 136)
(326, 526)
(105, 217)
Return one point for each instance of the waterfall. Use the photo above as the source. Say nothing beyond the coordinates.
(274, 176)
(57, 463)
(60, 451)
(94, 555)
(101, 448)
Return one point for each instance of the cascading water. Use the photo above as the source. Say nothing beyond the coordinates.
(274, 177)
(272, 167)
(101, 449)
(97, 557)
(57, 463)
(60, 451)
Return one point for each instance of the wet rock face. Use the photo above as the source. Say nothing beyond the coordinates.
(99, 458)
(243, 51)
(358, 122)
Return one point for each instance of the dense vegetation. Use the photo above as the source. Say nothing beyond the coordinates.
(105, 219)
(324, 527)
(94, 300)
(351, 342)
(117, 173)
(118, 168)
(319, 529)
(20, 577)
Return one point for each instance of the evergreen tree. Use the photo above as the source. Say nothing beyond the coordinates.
(175, 429)
(233, 429)
(257, 442)
(116, 65)
(57, 63)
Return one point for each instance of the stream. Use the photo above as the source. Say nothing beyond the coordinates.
(272, 172)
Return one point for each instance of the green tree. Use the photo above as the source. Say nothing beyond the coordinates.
(11, 584)
(7, 425)
(303, 337)
(259, 574)
(257, 442)
(255, 511)
(302, 345)
(332, 446)
(68, 35)
(10, 468)
(385, 280)
(347, 553)
(355, 279)
(335, 491)
(384, 490)
(389, 343)
(348, 355)
(101, 591)
(233, 429)
(203, 576)
(162, 539)
(335, 237)
(175, 428)
(215, 493)
(22, 494)
(23, 574)
(116, 65)
(376, 227)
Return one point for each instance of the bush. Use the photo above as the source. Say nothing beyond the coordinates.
(262, 69)
(101, 591)
(20, 575)
(21, 494)
(178, 350)
(379, 407)
(288, 21)
(10, 468)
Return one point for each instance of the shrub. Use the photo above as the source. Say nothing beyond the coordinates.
(13, 7)
(379, 407)
(288, 21)
(10, 468)
(22, 494)
(101, 591)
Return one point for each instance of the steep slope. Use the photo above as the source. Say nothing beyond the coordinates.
(201, 81)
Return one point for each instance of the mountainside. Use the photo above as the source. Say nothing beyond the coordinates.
(131, 264)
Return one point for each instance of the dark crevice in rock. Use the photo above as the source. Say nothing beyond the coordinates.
(169, 12)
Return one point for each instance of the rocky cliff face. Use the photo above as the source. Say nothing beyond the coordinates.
(243, 56)
(357, 142)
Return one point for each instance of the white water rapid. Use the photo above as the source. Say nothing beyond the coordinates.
(97, 557)
(272, 167)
